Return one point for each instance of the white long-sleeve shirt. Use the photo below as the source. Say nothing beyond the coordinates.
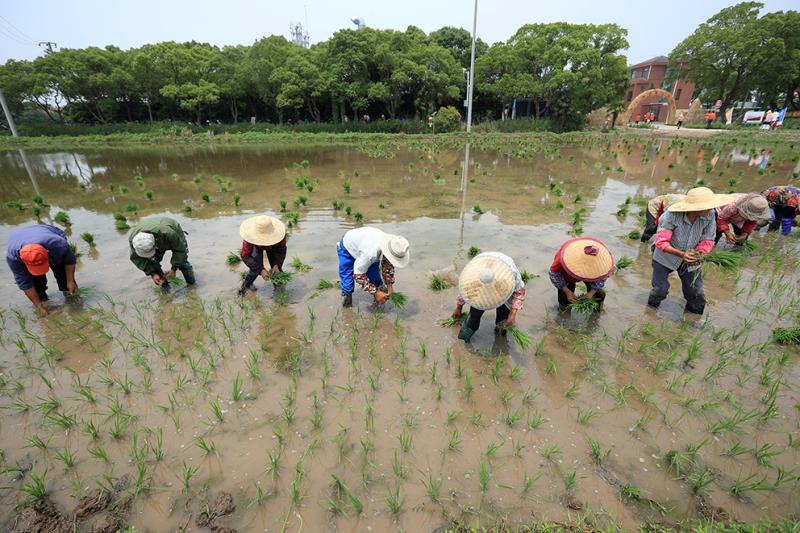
(364, 244)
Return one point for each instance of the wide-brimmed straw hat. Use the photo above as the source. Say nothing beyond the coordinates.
(753, 206)
(700, 199)
(486, 282)
(587, 259)
(262, 230)
(396, 249)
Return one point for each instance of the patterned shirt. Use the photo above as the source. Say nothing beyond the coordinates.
(728, 215)
(675, 230)
(364, 244)
(517, 298)
(387, 273)
(783, 195)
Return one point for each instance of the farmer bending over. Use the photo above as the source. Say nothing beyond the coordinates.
(785, 203)
(368, 256)
(262, 235)
(686, 229)
(656, 208)
(583, 259)
(738, 219)
(490, 281)
(31, 252)
(150, 239)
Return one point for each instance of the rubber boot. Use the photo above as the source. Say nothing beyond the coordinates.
(786, 226)
(244, 288)
(466, 333)
(697, 310)
(347, 300)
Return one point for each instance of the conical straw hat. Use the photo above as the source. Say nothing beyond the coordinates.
(587, 259)
(486, 282)
(700, 199)
(262, 230)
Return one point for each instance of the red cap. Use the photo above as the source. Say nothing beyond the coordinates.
(35, 258)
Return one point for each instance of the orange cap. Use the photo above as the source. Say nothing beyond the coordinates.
(35, 258)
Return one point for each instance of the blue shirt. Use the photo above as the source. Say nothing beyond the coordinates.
(51, 238)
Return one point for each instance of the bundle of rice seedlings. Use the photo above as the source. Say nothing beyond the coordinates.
(584, 306)
(624, 262)
(88, 238)
(398, 299)
(522, 339)
(726, 261)
(749, 247)
(175, 281)
(438, 283)
(451, 321)
(527, 276)
(473, 251)
(635, 235)
(787, 336)
(233, 259)
(324, 284)
(279, 279)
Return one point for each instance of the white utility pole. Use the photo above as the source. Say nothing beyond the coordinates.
(471, 84)
(9, 118)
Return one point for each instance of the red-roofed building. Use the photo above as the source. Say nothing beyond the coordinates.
(650, 74)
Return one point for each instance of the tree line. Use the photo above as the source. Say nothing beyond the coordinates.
(389, 73)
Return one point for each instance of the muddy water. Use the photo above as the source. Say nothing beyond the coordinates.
(388, 400)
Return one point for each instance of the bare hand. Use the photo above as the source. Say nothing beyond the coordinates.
(41, 309)
(457, 313)
(157, 279)
(170, 274)
(690, 257)
(571, 297)
(510, 322)
(730, 238)
(265, 274)
(381, 297)
(72, 287)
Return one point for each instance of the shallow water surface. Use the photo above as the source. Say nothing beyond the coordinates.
(685, 414)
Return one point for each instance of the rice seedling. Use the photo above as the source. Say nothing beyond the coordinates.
(280, 279)
(624, 262)
(205, 197)
(406, 440)
(473, 251)
(451, 321)
(346, 186)
(300, 201)
(299, 266)
(630, 492)
(358, 216)
(62, 218)
(99, 453)
(233, 259)
(726, 261)
(512, 418)
(587, 415)
(522, 339)
(398, 299)
(572, 390)
(634, 235)
(787, 335)
(394, 500)
(484, 475)
(67, 457)
(188, 474)
(35, 441)
(88, 238)
(477, 209)
(237, 392)
(438, 283)
(552, 453)
(552, 367)
(37, 488)
(584, 306)
(206, 446)
(570, 481)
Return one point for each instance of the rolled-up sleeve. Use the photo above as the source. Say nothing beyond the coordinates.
(517, 299)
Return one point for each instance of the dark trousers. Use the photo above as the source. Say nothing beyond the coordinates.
(650, 227)
(40, 282)
(563, 302)
(708, 124)
(782, 212)
(475, 315)
(691, 282)
(736, 231)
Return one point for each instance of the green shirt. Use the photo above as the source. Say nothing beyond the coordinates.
(168, 235)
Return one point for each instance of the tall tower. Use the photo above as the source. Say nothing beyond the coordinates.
(299, 35)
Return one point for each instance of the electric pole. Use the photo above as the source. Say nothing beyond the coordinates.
(471, 85)
(9, 118)
(49, 45)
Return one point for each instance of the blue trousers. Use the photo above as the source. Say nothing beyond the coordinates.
(346, 262)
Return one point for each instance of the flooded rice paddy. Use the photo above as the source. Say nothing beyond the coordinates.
(377, 419)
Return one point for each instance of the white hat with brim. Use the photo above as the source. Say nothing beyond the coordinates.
(144, 244)
(396, 249)
(700, 199)
(486, 283)
(262, 230)
(753, 206)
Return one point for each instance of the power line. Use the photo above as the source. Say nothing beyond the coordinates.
(17, 31)
(5, 33)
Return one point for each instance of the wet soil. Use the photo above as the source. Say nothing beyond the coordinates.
(250, 406)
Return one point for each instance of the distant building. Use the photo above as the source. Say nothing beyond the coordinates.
(650, 74)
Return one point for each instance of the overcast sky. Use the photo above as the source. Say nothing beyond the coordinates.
(654, 29)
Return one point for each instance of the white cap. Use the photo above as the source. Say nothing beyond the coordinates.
(144, 244)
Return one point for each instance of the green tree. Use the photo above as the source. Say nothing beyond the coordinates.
(570, 69)
(726, 54)
(299, 82)
(777, 84)
(193, 96)
(263, 59)
(458, 42)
